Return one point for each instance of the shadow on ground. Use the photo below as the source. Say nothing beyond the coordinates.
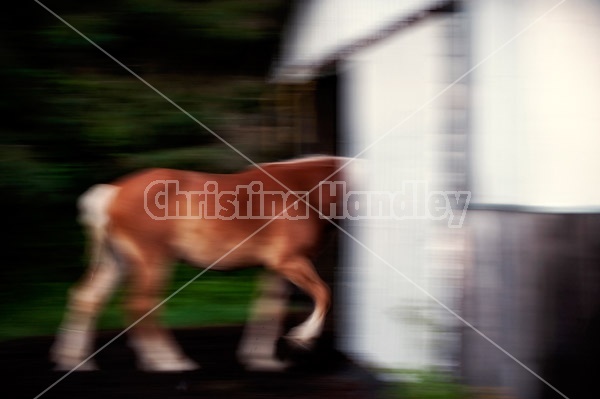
(324, 373)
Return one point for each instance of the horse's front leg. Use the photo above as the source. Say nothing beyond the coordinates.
(155, 348)
(257, 349)
(300, 271)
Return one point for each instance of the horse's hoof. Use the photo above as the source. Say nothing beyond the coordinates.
(171, 366)
(266, 364)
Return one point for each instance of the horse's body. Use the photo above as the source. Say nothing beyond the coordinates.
(141, 224)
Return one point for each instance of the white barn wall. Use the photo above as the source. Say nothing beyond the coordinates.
(387, 321)
(535, 103)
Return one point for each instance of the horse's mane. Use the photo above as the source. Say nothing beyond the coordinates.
(302, 158)
(298, 159)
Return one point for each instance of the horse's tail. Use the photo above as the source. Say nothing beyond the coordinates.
(93, 214)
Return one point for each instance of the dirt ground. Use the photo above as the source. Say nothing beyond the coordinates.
(324, 373)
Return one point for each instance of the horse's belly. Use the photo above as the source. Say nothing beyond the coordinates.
(211, 246)
(219, 258)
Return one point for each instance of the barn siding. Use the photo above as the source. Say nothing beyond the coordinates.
(532, 286)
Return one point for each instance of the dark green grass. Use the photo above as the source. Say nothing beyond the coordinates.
(214, 298)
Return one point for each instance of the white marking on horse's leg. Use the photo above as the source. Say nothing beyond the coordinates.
(310, 329)
(154, 346)
(72, 345)
(300, 271)
(160, 353)
(75, 338)
(258, 344)
(157, 350)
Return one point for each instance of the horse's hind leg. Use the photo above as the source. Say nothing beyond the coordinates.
(257, 348)
(300, 271)
(155, 348)
(75, 338)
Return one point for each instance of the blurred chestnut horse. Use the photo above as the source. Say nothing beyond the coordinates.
(142, 223)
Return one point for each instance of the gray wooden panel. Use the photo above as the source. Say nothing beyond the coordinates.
(532, 286)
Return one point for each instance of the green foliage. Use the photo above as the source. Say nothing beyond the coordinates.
(99, 28)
